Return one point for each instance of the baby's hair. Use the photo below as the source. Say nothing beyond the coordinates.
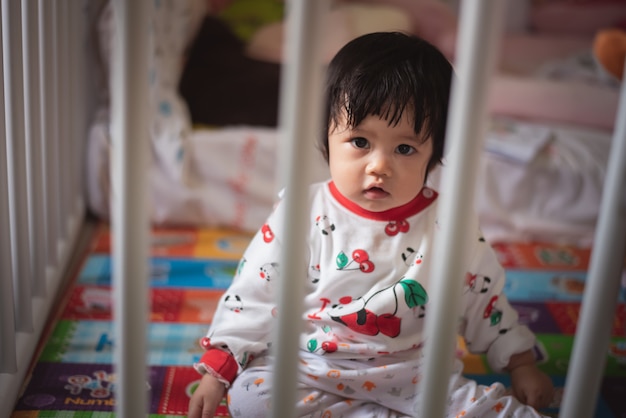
(387, 74)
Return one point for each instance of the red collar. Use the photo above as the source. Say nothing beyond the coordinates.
(424, 198)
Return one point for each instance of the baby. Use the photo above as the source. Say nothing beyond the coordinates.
(366, 268)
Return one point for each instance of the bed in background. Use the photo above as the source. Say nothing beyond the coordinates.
(214, 100)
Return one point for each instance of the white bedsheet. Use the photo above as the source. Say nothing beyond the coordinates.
(554, 197)
(229, 178)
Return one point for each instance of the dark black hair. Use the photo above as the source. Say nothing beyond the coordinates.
(387, 74)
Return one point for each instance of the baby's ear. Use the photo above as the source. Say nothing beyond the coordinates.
(609, 50)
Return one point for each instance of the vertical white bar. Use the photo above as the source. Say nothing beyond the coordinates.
(8, 356)
(300, 119)
(78, 108)
(129, 132)
(595, 323)
(16, 158)
(18, 348)
(32, 118)
(55, 139)
(62, 100)
(50, 157)
(479, 31)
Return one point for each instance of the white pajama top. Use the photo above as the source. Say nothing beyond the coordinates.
(367, 280)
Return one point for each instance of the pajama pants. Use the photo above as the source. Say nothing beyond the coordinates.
(355, 389)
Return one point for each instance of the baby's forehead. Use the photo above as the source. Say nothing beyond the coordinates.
(406, 119)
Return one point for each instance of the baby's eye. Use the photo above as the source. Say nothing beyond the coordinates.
(360, 142)
(405, 149)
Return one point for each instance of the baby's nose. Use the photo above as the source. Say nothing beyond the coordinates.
(379, 164)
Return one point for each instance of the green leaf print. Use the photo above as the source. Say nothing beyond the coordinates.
(312, 345)
(342, 260)
(495, 318)
(414, 293)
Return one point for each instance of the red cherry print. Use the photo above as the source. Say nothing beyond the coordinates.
(490, 306)
(389, 325)
(360, 255)
(325, 302)
(329, 346)
(366, 266)
(268, 235)
(395, 227)
(205, 343)
(345, 300)
(470, 279)
(391, 229)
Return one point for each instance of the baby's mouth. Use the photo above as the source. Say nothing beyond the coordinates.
(375, 193)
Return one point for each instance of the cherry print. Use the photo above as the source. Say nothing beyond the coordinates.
(345, 300)
(268, 235)
(470, 279)
(205, 343)
(329, 346)
(360, 255)
(490, 307)
(325, 302)
(391, 229)
(366, 266)
(389, 325)
(395, 227)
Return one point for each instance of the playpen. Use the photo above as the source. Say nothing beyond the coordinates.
(44, 119)
(47, 102)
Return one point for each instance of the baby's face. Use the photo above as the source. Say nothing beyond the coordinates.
(378, 166)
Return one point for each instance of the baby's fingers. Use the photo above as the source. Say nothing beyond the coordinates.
(536, 398)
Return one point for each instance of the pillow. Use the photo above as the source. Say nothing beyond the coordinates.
(344, 23)
(582, 18)
(173, 26)
(569, 102)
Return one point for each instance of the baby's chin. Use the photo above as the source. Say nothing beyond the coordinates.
(376, 205)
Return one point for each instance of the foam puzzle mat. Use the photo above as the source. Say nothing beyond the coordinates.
(73, 377)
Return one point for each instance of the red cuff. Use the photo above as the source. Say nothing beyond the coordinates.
(221, 363)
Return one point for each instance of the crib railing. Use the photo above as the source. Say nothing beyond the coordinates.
(43, 121)
(466, 119)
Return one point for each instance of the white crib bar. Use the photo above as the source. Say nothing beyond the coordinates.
(42, 119)
(16, 162)
(479, 31)
(38, 237)
(8, 354)
(63, 94)
(300, 121)
(595, 323)
(129, 132)
(80, 115)
(49, 111)
(34, 156)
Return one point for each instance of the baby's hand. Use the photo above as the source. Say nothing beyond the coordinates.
(532, 386)
(206, 398)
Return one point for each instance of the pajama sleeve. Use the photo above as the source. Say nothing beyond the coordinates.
(490, 324)
(243, 321)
